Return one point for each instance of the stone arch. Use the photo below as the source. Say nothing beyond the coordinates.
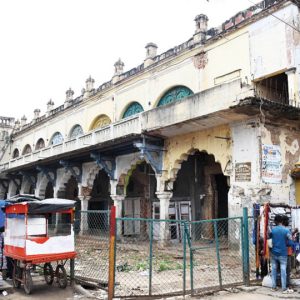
(75, 131)
(49, 191)
(64, 178)
(13, 189)
(72, 189)
(125, 174)
(57, 138)
(26, 150)
(41, 185)
(100, 192)
(92, 175)
(26, 187)
(16, 153)
(40, 144)
(3, 192)
(173, 94)
(100, 121)
(183, 157)
(131, 109)
(180, 147)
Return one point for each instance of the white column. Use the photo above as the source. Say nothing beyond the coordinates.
(11, 189)
(291, 74)
(84, 226)
(118, 203)
(164, 199)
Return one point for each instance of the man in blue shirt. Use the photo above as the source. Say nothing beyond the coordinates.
(280, 237)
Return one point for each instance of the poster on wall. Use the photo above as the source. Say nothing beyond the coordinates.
(271, 164)
(243, 171)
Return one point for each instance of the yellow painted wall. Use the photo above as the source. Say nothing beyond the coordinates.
(225, 56)
(179, 147)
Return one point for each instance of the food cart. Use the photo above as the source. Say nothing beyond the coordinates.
(39, 233)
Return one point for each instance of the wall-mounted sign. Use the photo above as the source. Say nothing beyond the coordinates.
(243, 171)
(271, 164)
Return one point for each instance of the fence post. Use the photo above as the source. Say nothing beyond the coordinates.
(72, 271)
(150, 257)
(246, 247)
(188, 237)
(243, 249)
(112, 253)
(184, 258)
(218, 253)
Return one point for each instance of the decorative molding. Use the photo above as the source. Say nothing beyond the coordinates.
(108, 163)
(74, 169)
(175, 94)
(152, 153)
(200, 60)
(49, 173)
(30, 177)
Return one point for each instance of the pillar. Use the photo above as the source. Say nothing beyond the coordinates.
(118, 203)
(11, 189)
(164, 200)
(84, 226)
(291, 75)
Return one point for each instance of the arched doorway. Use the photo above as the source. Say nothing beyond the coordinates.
(71, 193)
(31, 190)
(140, 200)
(100, 195)
(200, 191)
(49, 192)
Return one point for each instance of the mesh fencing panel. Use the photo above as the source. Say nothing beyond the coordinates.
(216, 252)
(92, 246)
(252, 248)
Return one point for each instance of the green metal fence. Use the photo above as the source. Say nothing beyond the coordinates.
(92, 246)
(164, 257)
(167, 257)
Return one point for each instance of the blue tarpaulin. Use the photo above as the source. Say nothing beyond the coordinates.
(3, 203)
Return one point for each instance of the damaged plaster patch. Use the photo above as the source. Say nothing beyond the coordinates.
(292, 154)
(293, 148)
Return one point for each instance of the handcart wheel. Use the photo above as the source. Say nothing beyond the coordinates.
(17, 274)
(61, 276)
(48, 273)
(27, 282)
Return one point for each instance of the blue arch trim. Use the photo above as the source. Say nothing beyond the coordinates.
(174, 94)
(132, 109)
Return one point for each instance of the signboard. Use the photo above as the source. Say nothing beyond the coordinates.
(243, 171)
(271, 164)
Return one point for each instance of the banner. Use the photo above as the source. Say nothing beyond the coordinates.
(271, 164)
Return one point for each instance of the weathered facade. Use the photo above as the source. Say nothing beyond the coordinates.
(197, 132)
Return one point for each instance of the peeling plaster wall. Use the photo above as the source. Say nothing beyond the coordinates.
(245, 149)
(264, 60)
(289, 141)
(179, 147)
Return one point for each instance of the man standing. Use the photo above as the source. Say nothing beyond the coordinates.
(280, 236)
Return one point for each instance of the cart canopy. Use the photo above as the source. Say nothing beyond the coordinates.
(46, 206)
(23, 198)
(50, 205)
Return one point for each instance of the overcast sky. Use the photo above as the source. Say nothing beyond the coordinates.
(48, 46)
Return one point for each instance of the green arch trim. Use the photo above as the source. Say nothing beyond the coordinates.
(132, 109)
(174, 94)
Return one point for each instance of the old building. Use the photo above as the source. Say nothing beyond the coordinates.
(196, 132)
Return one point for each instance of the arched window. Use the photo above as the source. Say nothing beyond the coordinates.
(40, 144)
(26, 150)
(132, 109)
(75, 132)
(100, 121)
(174, 94)
(16, 153)
(57, 138)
